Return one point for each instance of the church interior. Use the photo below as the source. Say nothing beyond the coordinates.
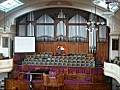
(59, 44)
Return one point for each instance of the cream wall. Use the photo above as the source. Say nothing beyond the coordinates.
(5, 51)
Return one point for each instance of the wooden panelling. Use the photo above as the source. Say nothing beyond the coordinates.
(24, 85)
(98, 78)
(69, 47)
(102, 51)
(86, 87)
(83, 48)
(8, 83)
(102, 48)
(11, 84)
(38, 86)
(71, 87)
(72, 47)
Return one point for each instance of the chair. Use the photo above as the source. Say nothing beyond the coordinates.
(78, 61)
(50, 54)
(56, 82)
(51, 63)
(55, 63)
(83, 64)
(65, 61)
(28, 57)
(42, 63)
(74, 61)
(60, 63)
(38, 62)
(69, 64)
(69, 61)
(87, 63)
(92, 58)
(24, 62)
(64, 64)
(42, 54)
(74, 64)
(47, 63)
(29, 62)
(52, 59)
(78, 64)
(33, 62)
(46, 55)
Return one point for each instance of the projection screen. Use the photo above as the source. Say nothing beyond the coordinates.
(24, 44)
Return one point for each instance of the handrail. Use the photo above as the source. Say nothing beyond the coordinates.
(112, 70)
(6, 65)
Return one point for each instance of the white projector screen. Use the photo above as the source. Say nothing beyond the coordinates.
(24, 44)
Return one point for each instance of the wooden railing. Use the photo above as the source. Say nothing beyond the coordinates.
(10, 84)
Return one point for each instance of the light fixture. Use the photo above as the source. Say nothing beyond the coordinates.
(92, 23)
(96, 2)
(4, 28)
(108, 13)
(113, 4)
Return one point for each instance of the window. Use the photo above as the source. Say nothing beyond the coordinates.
(115, 43)
(5, 42)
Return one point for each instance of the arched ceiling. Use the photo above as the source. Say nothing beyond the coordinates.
(32, 5)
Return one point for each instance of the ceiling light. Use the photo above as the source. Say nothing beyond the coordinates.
(96, 1)
(114, 4)
(108, 14)
(8, 5)
(103, 3)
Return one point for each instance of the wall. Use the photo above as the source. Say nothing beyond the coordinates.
(113, 53)
(5, 51)
(3, 75)
(114, 83)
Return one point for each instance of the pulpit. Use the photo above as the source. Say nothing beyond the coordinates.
(53, 82)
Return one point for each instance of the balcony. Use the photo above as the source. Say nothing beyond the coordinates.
(6, 65)
(112, 70)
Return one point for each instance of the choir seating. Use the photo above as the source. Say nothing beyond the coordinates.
(46, 58)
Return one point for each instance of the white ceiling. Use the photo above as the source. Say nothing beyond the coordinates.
(30, 5)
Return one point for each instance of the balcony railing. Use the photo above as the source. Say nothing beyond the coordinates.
(112, 70)
(6, 65)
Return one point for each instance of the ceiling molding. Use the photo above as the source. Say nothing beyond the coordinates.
(59, 3)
